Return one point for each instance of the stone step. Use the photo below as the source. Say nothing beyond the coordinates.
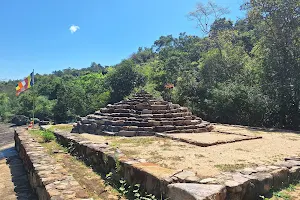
(109, 133)
(155, 102)
(164, 128)
(127, 133)
(189, 191)
(112, 128)
(145, 133)
(196, 130)
(159, 107)
(137, 128)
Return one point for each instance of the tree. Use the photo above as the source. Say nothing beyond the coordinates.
(206, 15)
(122, 80)
(5, 112)
(277, 23)
(220, 24)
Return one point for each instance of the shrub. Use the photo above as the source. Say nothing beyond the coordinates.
(47, 136)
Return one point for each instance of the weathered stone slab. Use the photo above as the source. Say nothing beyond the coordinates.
(127, 133)
(280, 177)
(193, 191)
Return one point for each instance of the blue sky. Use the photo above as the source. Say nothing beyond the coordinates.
(35, 34)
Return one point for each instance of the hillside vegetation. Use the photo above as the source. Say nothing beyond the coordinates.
(245, 72)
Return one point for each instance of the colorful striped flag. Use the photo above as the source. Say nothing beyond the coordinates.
(25, 84)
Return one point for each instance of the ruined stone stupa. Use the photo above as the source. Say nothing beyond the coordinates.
(141, 115)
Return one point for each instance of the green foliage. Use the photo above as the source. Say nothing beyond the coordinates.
(122, 80)
(45, 136)
(243, 73)
(48, 136)
(114, 179)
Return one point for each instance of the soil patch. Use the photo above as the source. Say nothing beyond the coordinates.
(208, 161)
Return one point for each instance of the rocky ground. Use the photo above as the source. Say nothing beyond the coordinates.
(13, 178)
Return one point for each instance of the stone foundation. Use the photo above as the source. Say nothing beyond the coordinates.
(48, 179)
(245, 184)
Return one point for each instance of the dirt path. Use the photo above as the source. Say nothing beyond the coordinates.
(13, 178)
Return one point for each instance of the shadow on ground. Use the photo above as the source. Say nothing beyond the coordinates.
(18, 174)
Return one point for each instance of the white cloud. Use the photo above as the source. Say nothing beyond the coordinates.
(74, 28)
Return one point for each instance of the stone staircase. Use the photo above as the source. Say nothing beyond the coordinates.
(141, 115)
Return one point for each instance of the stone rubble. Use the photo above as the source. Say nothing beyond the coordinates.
(141, 115)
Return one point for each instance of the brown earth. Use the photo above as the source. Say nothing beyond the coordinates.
(209, 161)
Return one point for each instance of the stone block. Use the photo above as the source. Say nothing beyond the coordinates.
(130, 128)
(127, 133)
(146, 111)
(122, 110)
(145, 128)
(146, 115)
(145, 133)
(186, 176)
(294, 174)
(179, 122)
(154, 123)
(194, 191)
(280, 177)
(168, 115)
(164, 128)
(158, 116)
(159, 111)
(163, 123)
(93, 126)
(142, 106)
(176, 115)
(85, 121)
(159, 107)
(183, 109)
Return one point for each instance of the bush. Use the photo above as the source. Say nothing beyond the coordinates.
(47, 136)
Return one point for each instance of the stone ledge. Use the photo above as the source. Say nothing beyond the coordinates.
(202, 144)
(192, 191)
(48, 179)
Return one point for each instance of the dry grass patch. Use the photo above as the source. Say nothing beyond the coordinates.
(62, 127)
(230, 167)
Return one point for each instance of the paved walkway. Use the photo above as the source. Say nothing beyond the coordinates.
(13, 178)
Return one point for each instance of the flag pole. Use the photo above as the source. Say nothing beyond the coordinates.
(33, 100)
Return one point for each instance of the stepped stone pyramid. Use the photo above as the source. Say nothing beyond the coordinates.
(141, 115)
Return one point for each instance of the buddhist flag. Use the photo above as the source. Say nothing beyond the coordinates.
(25, 84)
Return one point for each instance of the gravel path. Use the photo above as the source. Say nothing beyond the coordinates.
(14, 183)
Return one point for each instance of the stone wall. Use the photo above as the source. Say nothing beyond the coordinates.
(48, 179)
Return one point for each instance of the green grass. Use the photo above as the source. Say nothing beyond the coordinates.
(282, 194)
(230, 167)
(43, 136)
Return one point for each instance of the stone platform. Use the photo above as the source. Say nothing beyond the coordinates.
(244, 184)
(141, 115)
